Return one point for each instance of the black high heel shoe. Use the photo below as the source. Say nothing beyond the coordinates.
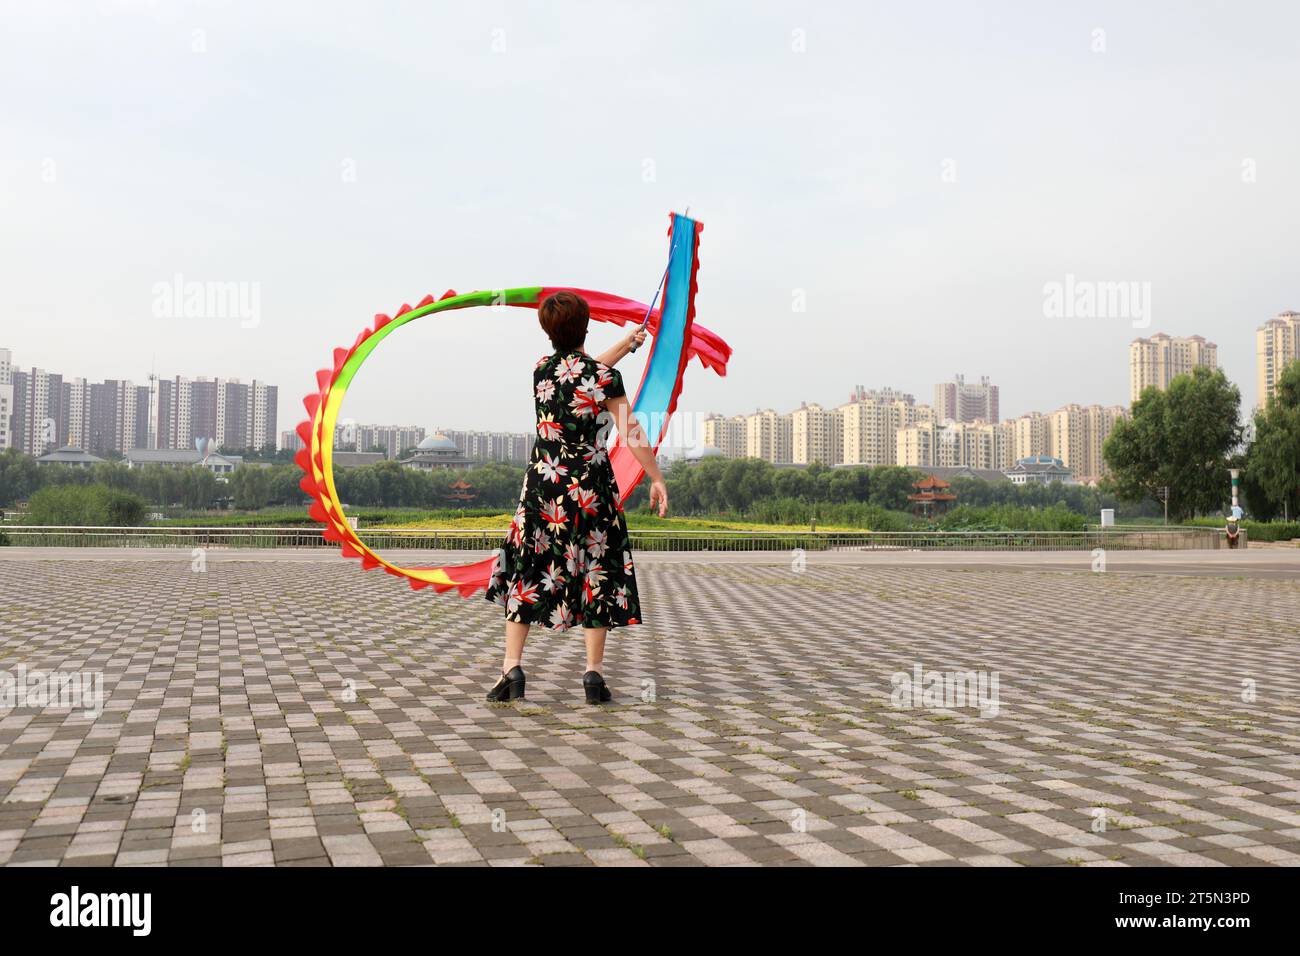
(509, 687)
(594, 686)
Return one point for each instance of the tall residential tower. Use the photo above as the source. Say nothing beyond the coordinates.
(1160, 359)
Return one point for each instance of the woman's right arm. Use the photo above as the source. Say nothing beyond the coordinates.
(635, 438)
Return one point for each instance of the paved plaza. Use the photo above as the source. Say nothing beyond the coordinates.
(286, 708)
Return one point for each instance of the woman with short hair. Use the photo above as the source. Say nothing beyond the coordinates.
(567, 559)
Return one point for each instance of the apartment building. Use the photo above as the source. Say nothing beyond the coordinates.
(1031, 435)
(391, 439)
(816, 434)
(769, 436)
(962, 401)
(516, 447)
(6, 398)
(41, 411)
(1078, 434)
(1156, 361)
(37, 422)
(1277, 345)
(725, 434)
(980, 445)
(235, 414)
(870, 429)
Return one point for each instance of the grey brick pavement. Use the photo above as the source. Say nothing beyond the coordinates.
(301, 712)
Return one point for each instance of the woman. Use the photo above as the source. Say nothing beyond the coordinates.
(566, 558)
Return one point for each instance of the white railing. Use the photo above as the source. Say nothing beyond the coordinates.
(453, 539)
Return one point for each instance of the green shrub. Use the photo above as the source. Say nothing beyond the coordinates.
(84, 505)
(1012, 518)
(1255, 530)
(1271, 530)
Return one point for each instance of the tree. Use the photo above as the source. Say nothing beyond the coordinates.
(1273, 464)
(1178, 439)
(891, 484)
(197, 487)
(251, 487)
(18, 477)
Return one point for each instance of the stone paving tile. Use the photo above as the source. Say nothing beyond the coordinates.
(305, 713)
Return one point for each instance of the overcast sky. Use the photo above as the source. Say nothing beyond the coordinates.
(914, 174)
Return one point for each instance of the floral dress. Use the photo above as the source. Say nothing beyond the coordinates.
(566, 559)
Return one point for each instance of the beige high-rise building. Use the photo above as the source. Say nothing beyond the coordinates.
(862, 432)
(726, 434)
(915, 445)
(6, 397)
(816, 434)
(1277, 345)
(956, 444)
(1101, 421)
(1002, 445)
(1032, 436)
(1077, 435)
(768, 436)
(1159, 359)
(870, 429)
(79, 401)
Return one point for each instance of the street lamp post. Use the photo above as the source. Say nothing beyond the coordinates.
(1234, 516)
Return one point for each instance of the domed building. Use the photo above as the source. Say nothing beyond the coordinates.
(437, 451)
(702, 452)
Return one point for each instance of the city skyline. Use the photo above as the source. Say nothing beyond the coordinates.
(44, 409)
(1153, 359)
(879, 425)
(1283, 328)
(883, 427)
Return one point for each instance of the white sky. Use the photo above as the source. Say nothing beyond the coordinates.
(126, 157)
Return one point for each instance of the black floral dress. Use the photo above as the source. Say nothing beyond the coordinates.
(566, 559)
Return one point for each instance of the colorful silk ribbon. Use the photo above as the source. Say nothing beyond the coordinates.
(676, 339)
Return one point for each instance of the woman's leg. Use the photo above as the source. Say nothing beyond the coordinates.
(516, 634)
(595, 648)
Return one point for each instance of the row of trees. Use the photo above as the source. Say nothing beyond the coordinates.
(21, 478)
(748, 486)
(495, 484)
(1273, 465)
(1180, 443)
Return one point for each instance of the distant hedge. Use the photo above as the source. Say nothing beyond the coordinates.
(1256, 530)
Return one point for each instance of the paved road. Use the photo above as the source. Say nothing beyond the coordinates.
(1252, 562)
(284, 707)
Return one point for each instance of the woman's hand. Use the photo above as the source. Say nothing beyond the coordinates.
(630, 342)
(659, 493)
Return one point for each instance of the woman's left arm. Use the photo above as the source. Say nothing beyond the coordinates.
(628, 343)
